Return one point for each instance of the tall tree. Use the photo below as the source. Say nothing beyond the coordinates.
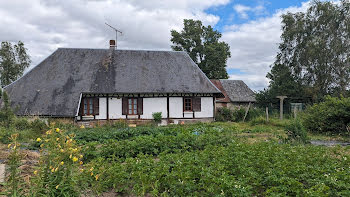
(315, 48)
(203, 46)
(13, 60)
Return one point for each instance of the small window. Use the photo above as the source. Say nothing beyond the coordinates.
(89, 106)
(132, 106)
(188, 104)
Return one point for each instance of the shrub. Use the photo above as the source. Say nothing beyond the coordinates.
(330, 116)
(22, 124)
(58, 170)
(38, 125)
(224, 114)
(238, 114)
(157, 117)
(296, 132)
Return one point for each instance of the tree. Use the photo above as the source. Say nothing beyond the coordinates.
(203, 46)
(315, 49)
(13, 60)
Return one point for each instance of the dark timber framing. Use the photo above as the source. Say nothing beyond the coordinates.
(107, 105)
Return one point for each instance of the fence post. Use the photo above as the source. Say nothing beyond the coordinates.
(267, 114)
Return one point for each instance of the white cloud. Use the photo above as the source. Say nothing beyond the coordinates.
(254, 46)
(45, 25)
(243, 10)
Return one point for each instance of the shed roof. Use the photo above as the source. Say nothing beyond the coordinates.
(234, 91)
(54, 86)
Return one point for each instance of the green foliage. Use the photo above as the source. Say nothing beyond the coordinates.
(296, 132)
(58, 171)
(225, 114)
(13, 188)
(314, 51)
(203, 46)
(13, 60)
(261, 169)
(7, 115)
(331, 116)
(157, 116)
(38, 125)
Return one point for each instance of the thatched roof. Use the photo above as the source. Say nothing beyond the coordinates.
(54, 86)
(234, 91)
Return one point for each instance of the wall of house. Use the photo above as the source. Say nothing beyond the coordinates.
(207, 108)
(152, 105)
(157, 104)
(115, 108)
(175, 107)
(102, 109)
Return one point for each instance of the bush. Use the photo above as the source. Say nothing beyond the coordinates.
(296, 132)
(22, 124)
(157, 117)
(38, 125)
(330, 116)
(224, 114)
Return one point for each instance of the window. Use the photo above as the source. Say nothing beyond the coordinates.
(187, 104)
(132, 106)
(89, 106)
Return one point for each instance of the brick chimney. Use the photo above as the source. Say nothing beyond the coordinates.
(112, 44)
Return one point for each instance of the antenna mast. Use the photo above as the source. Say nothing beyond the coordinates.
(116, 33)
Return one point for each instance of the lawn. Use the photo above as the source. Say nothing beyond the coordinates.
(212, 159)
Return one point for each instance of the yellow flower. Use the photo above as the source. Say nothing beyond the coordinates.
(35, 172)
(56, 169)
(57, 130)
(57, 139)
(53, 170)
(75, 159)
(74, 150)
(51, 167)
(14, 147)
(91, 169)
(48, 132)
(62, 151)
(81, 170)
(57, 186)
(38, 139)
(80, 156)
(42, 145)
(81, 163)
(82, 127)
(8, 146)
(96, 177)
(70, 156)
(62, 162)
(59, 146)
(92, 174)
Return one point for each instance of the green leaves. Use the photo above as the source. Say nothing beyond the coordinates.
(314, 51)
(13, 60)
(203, 46)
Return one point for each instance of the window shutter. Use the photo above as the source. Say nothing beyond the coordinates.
(139, 106)
(81, 108)
(96, 106)
(196, 104)
(124, 106)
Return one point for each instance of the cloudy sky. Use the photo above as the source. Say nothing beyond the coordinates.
(250, 27)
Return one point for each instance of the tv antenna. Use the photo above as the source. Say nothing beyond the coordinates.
(116, 33)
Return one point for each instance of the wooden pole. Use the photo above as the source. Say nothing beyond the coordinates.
(295, 112)
(246, 112)
(267, 114)
(281, 105)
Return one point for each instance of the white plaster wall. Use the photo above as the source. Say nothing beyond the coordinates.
(152, 105)
(188, 114)
(207, 110)
(115, 108)
(175, 107)
(102, 109)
